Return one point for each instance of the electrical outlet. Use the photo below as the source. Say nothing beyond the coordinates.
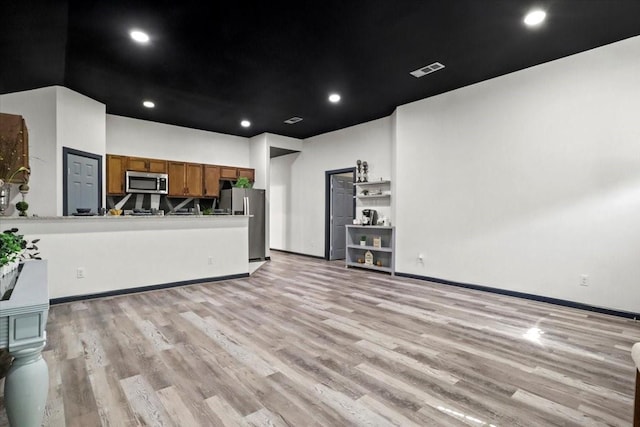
(420, 258)
(210, 260)
(80, 273)
(584, 279)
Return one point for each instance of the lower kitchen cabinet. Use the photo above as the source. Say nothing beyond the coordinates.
(185, 179)
(379, 240)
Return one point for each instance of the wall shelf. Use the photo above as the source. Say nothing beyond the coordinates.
(373, 196)
(369, 183)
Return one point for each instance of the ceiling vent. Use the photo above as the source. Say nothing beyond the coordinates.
(293, 120)
(427, 70)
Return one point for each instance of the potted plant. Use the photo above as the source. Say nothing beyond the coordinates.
(243, 182)
(13, 249)
(22, 207)
(363, 240)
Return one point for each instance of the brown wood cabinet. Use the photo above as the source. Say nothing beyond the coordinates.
(185, 179)
(116, 167)
(228, 172)
(141, 164)
(211, 181)
(14, 147)
(246, 173)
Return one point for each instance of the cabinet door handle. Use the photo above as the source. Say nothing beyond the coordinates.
(205, 191)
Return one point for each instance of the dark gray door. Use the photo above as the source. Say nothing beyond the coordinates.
(341, 213)
(83, 184)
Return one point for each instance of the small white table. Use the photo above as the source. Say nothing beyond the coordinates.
(23, 319)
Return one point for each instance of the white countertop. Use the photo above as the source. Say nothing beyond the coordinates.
(110, 217)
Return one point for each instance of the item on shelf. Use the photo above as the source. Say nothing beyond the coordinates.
(377, 241)
(370, 217)
(363, 241)
(365, 172)
(368, 258)
(359, 167)
(360, 261)
(379, 263)
(364, 193)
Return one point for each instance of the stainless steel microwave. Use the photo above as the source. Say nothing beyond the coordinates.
(144, 182)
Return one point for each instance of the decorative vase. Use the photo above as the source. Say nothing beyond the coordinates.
(5, 196)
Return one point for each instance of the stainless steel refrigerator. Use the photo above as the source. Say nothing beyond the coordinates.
(248, 201)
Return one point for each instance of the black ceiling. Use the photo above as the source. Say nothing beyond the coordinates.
(211, 64)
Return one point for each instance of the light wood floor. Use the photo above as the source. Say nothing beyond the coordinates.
(304, 342)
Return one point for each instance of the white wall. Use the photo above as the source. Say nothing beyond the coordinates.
(527, 181)
(55, 117)
(118, 253)
(259, 161)
(133, 137)
(280, 190)
(81, 126)
(38, 107)
(303, 225)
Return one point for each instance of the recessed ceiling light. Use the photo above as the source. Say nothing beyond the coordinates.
(535, 17)
(149, 104)
(245, 123)
(334, 97)
(139, 36)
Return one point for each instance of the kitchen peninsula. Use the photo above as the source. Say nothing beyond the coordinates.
(112, 254)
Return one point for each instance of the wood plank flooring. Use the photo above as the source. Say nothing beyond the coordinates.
(304, 342)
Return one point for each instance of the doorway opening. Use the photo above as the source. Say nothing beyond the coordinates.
(340, 207)
(81, 180)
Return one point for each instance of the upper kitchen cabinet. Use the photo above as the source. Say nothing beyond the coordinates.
(228, 172)
(140, 164)
(211, 181)
(116, 167)
(246, 173)
(185, 179)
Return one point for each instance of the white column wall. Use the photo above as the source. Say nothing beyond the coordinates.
(528, 181)
(81, 126)
(38, 107)
(280, 189)
(259, 161)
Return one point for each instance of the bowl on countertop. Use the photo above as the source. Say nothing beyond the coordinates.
(83, 210)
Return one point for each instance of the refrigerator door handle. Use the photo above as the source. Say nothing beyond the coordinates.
(246, 205)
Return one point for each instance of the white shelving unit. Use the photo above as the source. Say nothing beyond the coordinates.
(385, 253)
